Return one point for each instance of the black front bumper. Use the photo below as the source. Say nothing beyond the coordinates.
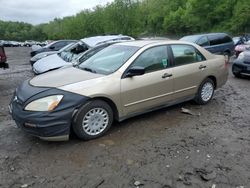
(32, 63)
(55, 123)
(243, 69)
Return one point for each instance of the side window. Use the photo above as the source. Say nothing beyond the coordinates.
(186, 54)
(203, 41)
(214, 39)
(153, 59)
(59, 45)
(226, 39)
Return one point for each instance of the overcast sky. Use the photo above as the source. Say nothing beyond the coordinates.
(42, 11)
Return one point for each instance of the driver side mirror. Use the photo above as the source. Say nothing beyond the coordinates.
(52, 47)
(135, 71)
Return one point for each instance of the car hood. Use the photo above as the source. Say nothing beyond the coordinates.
(35, 47)
(49, 63)
(63, 77)
(247, 55)
(42, 55)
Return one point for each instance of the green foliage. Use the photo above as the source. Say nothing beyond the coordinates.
(20, 31)
(140, 17)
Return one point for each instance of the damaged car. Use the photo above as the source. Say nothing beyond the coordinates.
(68, 55)
(241, 65)
(121, 81)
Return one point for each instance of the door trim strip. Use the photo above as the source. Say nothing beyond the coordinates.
(159, 96)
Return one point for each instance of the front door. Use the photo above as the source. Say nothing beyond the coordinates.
(154, 88)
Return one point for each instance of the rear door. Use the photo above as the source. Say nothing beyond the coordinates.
(189, 70)
(154, 88)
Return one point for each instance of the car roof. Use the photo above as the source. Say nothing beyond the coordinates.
(93, 41)
(200, 35)
(142, 43)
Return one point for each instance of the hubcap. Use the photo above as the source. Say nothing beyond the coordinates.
(95, 121)
(207, 91)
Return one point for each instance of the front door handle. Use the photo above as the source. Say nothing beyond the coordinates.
(166, 75)
(202, 67)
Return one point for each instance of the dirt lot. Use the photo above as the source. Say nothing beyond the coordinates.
(163, 149)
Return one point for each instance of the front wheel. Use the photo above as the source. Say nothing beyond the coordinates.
(93, 120)
(205, 92)
(237, 75)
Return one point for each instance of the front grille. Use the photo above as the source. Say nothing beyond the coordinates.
(247, 62)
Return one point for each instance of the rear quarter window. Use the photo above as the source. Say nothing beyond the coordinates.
(226, 39)
(219, 39)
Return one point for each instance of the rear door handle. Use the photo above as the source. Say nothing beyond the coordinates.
(202, 67)
(166, 75)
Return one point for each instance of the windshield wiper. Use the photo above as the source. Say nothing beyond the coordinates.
(89, 70)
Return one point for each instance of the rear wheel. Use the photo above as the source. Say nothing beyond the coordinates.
(93, 120)
(205, 92)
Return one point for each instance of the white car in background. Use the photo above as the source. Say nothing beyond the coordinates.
(37, 57)
(68, 55)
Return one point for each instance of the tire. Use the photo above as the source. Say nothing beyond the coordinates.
(237, 75)
(205, 92)
(93, 120)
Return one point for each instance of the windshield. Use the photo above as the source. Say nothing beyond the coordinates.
(48, 45)
(236, 39)
(109, 59)
(85, 55)
(190, 38)
(72, 51)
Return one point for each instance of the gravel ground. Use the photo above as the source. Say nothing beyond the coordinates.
(162, 149)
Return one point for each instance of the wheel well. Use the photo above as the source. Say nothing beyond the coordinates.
(214, 80)
(111, 104)
(227, 51)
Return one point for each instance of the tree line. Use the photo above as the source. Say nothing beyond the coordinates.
(140, 18)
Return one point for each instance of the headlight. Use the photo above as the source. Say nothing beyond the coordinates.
(44, 104)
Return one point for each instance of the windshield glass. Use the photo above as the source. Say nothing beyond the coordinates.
(109, 59)
(236, 39)
(48, 45)
(72, 51)
(85, 55)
